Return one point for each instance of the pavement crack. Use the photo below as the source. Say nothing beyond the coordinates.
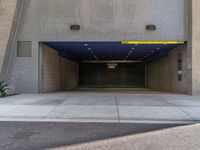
(187, 114)
(118, 117)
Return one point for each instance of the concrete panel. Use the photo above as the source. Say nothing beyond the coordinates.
(105, 20)
(194, 112)
(28, 111)
(87, 112)
(51, 69)
(141, 100)
(68, 74)
(23, 71)
(143, 112)
(96, 99)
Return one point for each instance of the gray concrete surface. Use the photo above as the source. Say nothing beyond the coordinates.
(101, 107)
(179, 138)
(109, 20)
(36, 136)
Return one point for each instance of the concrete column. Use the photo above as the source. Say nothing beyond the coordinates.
(9, 17)
(194, 44)
(7, 9)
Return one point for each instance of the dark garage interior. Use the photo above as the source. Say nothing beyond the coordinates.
(123, 75)
(72, 65)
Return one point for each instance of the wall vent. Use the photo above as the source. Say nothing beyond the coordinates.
(24, 49)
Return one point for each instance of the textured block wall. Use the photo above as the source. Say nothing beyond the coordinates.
(58, 73)
(51, 70)
(163, 73)
(69, 74)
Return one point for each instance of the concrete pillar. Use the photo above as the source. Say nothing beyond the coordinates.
(194, 44)
(9, 17)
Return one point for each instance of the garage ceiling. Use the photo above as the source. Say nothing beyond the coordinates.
(99, 51)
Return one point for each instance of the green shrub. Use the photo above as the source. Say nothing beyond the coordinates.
(3, 88)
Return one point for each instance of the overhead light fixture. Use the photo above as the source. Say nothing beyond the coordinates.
(112, 66)
(75, 27)
(89, 49)
(85, 44)
(151, 27)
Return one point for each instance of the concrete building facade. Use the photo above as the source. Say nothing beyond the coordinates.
(38, 53)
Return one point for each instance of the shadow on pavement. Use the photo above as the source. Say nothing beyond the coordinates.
(26, 135)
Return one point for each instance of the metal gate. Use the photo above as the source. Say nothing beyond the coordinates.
(124, 75)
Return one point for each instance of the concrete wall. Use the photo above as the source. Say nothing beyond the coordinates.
(69, 74)
(20, 73)
(50, 70)
(102, 20)
(23, 75)
(10, 11)
(191, 55)
(163, 73)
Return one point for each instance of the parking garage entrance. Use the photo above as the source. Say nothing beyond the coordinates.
(70, 65)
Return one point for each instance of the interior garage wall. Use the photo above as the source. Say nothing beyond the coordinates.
(69, 74)
(58, 73)
(51, 70)
(163, 73)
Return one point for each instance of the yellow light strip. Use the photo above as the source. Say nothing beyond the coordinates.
(152, 42)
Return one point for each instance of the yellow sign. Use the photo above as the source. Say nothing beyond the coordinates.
(152, 42)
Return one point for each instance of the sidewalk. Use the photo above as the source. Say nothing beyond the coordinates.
(101, 107)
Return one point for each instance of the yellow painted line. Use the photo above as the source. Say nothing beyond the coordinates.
(152, 42)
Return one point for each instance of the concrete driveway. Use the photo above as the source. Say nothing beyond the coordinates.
(101, 107)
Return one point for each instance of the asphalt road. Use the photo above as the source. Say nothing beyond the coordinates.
(34, 136)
